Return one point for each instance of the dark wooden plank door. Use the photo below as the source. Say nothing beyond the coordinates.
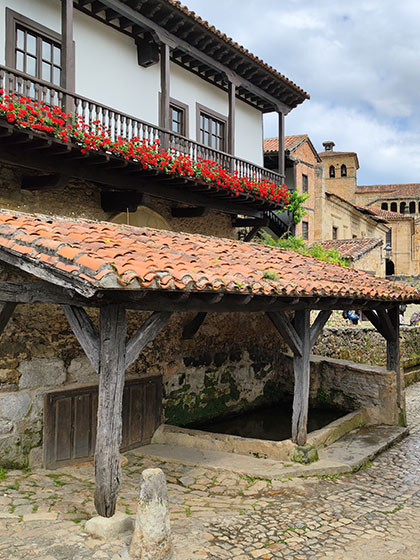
(70, 420)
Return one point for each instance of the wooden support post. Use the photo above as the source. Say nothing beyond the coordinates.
(393, 359)
(301, 367)
(109, 428)
(165, 91)
(231, 120)
(67, 52)
(281, 145)
(387, 322)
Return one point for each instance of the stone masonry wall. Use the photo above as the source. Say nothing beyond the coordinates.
(365, 345)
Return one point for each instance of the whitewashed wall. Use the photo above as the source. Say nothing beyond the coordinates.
(107, 72)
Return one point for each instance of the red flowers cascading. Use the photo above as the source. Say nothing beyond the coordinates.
(27, 113)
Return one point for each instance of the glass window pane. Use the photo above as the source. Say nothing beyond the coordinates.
(20, 61)
(214, 127)
(46, 51)
(31, 65)
(46, 71)
(56, 55)
(30, 44)
(56, 76)
(20, 39)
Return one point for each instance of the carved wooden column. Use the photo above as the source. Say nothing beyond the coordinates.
(67, 52)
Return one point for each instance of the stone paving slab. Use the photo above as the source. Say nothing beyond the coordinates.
(373, 514)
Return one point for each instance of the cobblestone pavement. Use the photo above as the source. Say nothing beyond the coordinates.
(373, 514)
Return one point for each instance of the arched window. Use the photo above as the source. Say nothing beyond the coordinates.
(412, 207)
(384, 205)
(332, 171)
(402, 207)
(394, 207)
(343, 171)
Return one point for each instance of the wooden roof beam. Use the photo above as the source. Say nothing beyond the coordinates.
(174, 41)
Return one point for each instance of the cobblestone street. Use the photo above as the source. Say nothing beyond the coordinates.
(373, 514)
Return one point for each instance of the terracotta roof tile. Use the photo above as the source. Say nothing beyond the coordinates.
(388, 215)
(109, 256)
(352, 249)
(290, 142)
(409, 189)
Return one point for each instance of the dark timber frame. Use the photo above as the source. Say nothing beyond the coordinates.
(110, 354)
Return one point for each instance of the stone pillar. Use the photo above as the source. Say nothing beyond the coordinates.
(152, 533)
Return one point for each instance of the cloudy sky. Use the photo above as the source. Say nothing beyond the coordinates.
(360, 62)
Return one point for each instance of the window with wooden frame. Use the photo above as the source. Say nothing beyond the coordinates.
(33, 49)
(211, 128)
(304, 183)
(305, 230)
(178, 117)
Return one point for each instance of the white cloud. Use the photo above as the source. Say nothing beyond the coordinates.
(359, 62)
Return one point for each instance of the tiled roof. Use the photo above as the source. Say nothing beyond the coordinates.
(333, 153)
(290, 142)
(352, 249)
(102, 256)
(411, 189)
(231, 42)
(363, 209)
(330, 153)
(388, 215)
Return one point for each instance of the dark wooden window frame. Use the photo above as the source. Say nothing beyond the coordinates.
(305, 183)
(202, 109)
(185, 110)
(14, 19)
(305, 230)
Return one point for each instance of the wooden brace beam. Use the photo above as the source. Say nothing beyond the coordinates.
(192, 327)
(145, 334)
(6, 311)
(85, 333)
(318, 325)
(287, 331)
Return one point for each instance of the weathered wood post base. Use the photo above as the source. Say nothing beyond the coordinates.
(301, 367)
(152, 533)
(300, 337)
(111, 386)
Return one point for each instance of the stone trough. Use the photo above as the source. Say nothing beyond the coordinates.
(278, 450)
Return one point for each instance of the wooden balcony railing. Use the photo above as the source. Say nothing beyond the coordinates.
(124, 125)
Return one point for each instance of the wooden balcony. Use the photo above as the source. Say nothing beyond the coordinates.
(50, 155)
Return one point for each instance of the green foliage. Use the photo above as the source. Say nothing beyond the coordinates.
(295, 205)
(298, 245)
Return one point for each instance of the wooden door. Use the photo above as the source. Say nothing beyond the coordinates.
(70, 420)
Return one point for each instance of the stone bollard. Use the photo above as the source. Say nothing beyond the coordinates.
(152, 533)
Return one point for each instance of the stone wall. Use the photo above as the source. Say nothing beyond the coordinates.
(365, 345)
(81, 199)
(203, 377)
